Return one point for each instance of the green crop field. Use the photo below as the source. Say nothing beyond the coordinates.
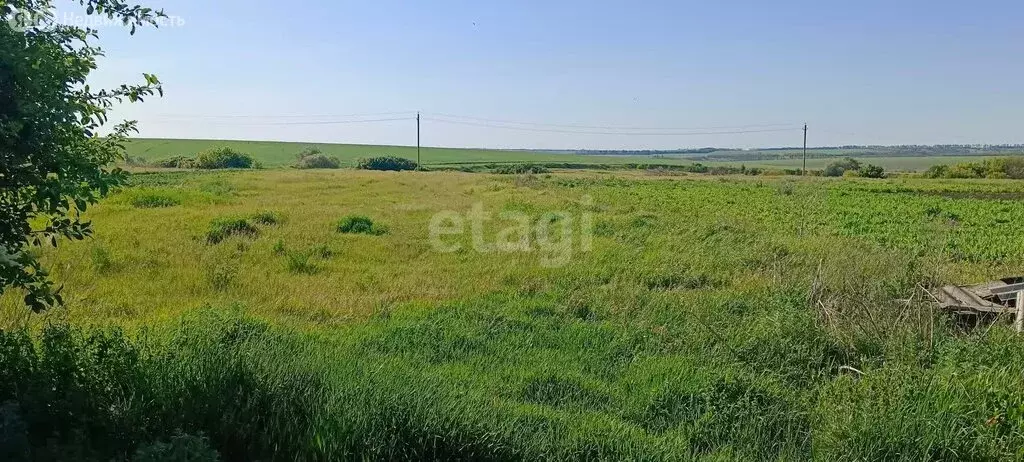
(565, 316)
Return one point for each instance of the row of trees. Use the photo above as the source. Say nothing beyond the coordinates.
(1002, 167)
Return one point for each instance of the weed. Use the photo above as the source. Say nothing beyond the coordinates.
(300, 263)
(221, 276)
(359, 224)
(101, 259)
(222, 228)
(267, 218)
(322, 250)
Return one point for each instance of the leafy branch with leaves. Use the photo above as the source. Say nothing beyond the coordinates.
(54, 163)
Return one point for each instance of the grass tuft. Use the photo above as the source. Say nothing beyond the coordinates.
(359, 224)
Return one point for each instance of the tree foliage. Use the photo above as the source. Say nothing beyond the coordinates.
(53, 160)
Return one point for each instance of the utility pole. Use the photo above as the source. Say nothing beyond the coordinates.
(804, 171)
(418, 139)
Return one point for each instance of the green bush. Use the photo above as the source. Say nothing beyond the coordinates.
(840, 167)
(359, 224)
(872, 171)
(176, 162)
(223, 157)
(267, 218)
(312, 157)
(222, 228)
(300, 263)
(391, 163)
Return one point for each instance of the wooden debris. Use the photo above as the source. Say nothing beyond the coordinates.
(989, 299)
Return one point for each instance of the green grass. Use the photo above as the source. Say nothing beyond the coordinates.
(279, 154)
(712, 318)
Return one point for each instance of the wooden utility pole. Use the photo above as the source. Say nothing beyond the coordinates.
(804, 171)
(418, 139)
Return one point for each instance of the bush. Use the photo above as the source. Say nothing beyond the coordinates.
(1013, 167)
(839, 167)
(222, 228)
(390, 163)
(872, 171)
(300, 263)
(520, 169)
(267, 218)
(937, 171)
(358, 224)
(176, 162)
(223, 157)
(312, 157)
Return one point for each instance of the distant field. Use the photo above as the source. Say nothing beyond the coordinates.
(889, 163)
(278, 154)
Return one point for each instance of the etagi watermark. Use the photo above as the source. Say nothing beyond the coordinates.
(22, 21)
(552, 235)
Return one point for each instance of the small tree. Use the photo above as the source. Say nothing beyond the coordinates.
(872, 171)
(839, 167)
(53, 162)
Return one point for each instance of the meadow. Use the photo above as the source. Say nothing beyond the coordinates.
(725, 318)
(282, 154)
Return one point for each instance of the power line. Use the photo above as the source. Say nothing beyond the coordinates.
(605, 127)
(282, 116)
(735, 132)
(323, 122)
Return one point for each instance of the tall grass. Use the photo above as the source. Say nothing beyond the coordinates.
(736, 319)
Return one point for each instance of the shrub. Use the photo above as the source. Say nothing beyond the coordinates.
(267, 218)
(872, 171)
(300, 263)
(221, 276)
(176, 162)
(1013, 167)
(223, 157)
(312, 157)
(937, 171)
(520, 169)
(322, 251)
(839, 167)
(279, 247)
(318, 161)
(222, 228)
(358, 224)
(391, 163)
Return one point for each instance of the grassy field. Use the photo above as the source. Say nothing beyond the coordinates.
(279, 154)
(893, 164)
(704, 317)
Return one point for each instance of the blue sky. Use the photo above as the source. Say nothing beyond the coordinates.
(864, 72)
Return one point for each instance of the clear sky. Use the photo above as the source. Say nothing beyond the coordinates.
(858, 72)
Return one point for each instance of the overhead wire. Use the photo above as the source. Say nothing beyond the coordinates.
(634, 133)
